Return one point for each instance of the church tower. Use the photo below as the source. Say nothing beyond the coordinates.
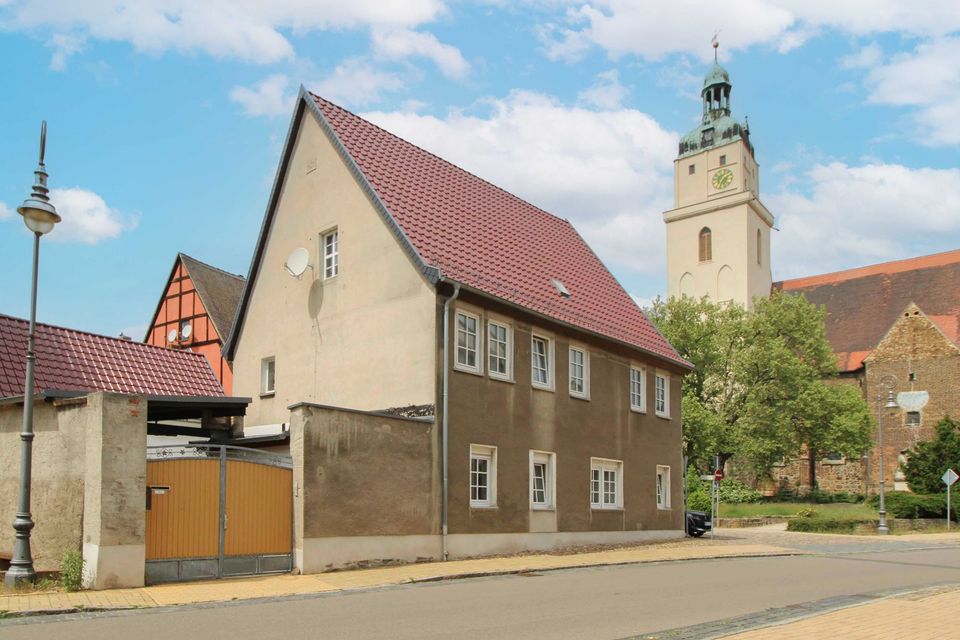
(718, 233)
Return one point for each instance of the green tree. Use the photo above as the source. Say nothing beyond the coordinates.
(928, 461)
(758, 392)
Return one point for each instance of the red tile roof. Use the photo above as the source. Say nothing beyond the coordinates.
(862, 304)
(69, 360)
(481, 236)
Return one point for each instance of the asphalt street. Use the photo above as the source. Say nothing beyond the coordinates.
(608, 602)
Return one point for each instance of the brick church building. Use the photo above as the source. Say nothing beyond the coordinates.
(893, 325)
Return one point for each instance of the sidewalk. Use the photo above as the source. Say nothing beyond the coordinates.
(928, 614)
(284, 585)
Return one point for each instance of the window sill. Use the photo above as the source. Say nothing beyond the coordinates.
(473, 372)
(268, 394)
(500, 378)
(640, 411)
(585, 397)
(484, 507)
(542, 387)
(665, 416)
(547, 508)
(659, 508)
(613, 509)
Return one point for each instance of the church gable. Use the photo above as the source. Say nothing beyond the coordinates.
(913, 336)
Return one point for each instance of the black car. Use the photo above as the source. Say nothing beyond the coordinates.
(698, 523)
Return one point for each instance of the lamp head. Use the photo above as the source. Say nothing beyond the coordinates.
(38, 212)
(891, 401)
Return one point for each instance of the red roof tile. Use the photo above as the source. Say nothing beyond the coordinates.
(862, 304)
(481, 236)
(69, 360)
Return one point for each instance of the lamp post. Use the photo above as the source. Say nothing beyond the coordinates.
(40, 216)
(891, 403)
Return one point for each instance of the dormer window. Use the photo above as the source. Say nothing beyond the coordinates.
(706, 245)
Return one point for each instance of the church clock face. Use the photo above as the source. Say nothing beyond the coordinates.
(722, 179)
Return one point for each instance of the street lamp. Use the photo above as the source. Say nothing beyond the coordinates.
(882, 527)
(40, 216)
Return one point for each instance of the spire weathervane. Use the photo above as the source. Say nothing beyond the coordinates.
(716, 44)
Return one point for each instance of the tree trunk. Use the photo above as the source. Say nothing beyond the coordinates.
(812, 455)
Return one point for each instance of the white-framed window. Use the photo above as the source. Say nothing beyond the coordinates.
(579, 372)
(268, 376)
(663, 487)
(638, 389)
(543, 477)
(483, 476)
(331, 254)
(606, 483)
(468, 342)
(499, 350)
(541, 362)
(662, 394)
(913, 418)
(834, 457)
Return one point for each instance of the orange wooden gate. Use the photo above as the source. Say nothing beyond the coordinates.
(215, 510)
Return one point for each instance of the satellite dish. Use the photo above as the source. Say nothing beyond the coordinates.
(172, 336)
(186, 331)
(297, 262)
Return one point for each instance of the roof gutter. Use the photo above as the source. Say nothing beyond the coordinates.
(445, 421)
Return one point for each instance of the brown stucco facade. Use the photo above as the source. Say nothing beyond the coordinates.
(518, 418)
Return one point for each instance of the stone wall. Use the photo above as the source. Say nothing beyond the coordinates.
(88, 484)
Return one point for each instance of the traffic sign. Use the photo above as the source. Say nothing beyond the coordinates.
(718, 475)
(949, 477)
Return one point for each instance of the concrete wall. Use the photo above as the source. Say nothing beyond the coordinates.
(332, 338)
(89, 483)
(516, 418)
(366, 488)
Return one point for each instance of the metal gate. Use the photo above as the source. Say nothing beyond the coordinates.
(215, 511)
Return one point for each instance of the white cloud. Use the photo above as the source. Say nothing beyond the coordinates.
(64, 45)
(655, 29)
(867, 57)
(398, 44)
(86, 217)
(608, 171)
(5, 212)
(856, 215)
(248, 30)
(606, 92)
(356, 82)
(927, 79)
(269, 97)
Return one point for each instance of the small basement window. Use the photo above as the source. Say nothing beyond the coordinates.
(913, 418)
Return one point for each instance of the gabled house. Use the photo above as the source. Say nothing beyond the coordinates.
(196, 312)
(387, 284)
(892, 325)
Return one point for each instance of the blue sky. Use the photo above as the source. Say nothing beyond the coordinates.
(166, 121)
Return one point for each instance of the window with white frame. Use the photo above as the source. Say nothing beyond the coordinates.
(638, 389)
(331, 254)
(483, 476)
(542, 479)
(541, 353)
(498, 350)
(606, 483)
(662, 394)
(468, 342)
(268, 375)
(579, 372)
(663, 487)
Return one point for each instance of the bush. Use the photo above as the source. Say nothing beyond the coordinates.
(928, 460)
(807, 513)
(735, 492)
(71, 571)
(826, 497)
(698, 492)
(903, 504)
(819, 524)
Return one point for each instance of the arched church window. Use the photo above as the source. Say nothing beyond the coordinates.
(706, 245)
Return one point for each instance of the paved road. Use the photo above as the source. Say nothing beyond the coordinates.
(609, 602)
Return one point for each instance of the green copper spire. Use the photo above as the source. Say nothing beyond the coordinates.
(717, 127)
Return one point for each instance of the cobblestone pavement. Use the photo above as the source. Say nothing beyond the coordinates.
(776, 535)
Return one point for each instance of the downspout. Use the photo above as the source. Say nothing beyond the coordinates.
(445, 421)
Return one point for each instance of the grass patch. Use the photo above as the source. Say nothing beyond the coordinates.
(837, 510)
